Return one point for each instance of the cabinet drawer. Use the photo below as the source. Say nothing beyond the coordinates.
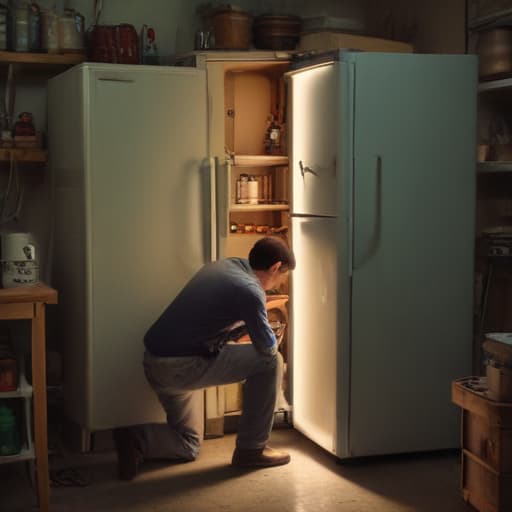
(490, 443)
(485, 489)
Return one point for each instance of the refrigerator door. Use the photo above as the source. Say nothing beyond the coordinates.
(412, 282)
(314, 120)
(314, 325)
(146, 221)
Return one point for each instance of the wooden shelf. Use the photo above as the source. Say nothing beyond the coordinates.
(495, 85)
(24, 391)
(492, 167)
(260, 160)
(24, 455)
(43, 59)
(24, 155)
(259, 207)
(497, 19)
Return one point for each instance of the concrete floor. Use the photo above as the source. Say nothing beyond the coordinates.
(313, 481)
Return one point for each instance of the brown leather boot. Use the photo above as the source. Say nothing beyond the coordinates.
(259, 458)
(129, 455)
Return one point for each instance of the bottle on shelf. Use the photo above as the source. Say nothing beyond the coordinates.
(9, 435)
(252, 190)
(273, 136)
(242, 189)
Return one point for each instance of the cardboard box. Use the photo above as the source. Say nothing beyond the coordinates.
(334, 40)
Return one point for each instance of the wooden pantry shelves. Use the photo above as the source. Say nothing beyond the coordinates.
(259, 207)
(26, 155)
(260, 160)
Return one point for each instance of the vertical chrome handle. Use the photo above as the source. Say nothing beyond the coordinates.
(374, 240)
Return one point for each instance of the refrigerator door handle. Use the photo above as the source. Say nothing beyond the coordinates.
(374, 239)
(110, 79)
(213, 209)
(305, 169)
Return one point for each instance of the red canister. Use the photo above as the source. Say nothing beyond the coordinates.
(8, 374)
(127, 44)
(114, 44)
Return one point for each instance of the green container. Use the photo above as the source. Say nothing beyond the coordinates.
(9, 435)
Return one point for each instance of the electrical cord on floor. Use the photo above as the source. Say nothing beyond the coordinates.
(69, 477)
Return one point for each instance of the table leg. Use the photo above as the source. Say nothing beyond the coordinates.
(40, 412)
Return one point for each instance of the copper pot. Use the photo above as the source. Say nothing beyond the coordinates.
(495, 52)
(277, 32)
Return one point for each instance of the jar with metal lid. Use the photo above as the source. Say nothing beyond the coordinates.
(252, 190)
(242, 189)
(34, 28)
(20, 14)
(49, 31)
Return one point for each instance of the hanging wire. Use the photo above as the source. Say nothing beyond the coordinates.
(13, 193)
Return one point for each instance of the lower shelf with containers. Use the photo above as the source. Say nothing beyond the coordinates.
(16, 444)
(258, 197)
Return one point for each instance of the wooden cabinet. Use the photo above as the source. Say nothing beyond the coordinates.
(244, 89)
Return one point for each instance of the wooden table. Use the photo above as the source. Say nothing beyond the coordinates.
(28, 303)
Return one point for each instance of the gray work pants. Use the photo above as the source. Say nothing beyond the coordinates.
(179, 384)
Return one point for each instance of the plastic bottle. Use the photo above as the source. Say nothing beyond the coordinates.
(9, 436)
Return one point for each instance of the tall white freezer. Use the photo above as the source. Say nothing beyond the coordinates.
(383, 205)
(132, 222)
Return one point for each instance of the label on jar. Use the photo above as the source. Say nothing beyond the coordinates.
(253, 190)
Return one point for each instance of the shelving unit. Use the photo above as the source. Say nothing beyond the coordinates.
(28, 155)
(44, 65)
(494, 177)
(23, 392)
(42, 59)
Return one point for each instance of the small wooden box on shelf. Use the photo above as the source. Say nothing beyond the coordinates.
(486, 446)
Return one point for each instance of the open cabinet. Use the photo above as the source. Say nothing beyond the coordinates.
(247, 141)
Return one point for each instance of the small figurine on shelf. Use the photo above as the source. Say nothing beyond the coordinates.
(24, 132)
(273, 136)
(25, 126)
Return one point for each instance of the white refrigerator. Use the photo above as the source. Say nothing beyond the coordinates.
(133, 221)
(383, 205)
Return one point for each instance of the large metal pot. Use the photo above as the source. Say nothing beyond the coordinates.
(494, 48)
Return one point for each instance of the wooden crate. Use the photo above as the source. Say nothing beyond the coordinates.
(490, 443)
(484, 488)
(487, 446)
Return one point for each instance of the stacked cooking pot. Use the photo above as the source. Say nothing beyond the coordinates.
(19, 265)
(494, 49)
(235, 29)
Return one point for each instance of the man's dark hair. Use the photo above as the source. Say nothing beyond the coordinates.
(270, 250)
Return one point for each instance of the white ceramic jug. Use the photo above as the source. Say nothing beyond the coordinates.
(18, 247)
